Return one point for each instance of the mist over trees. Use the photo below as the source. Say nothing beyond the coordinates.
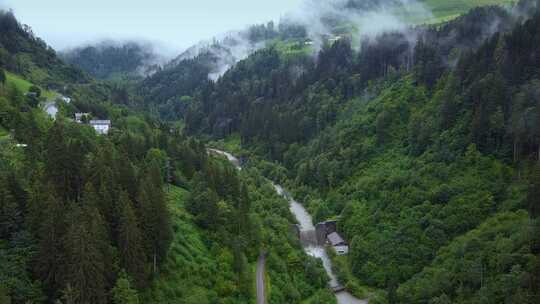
(422, 142)
(109, 59)
(425, 149)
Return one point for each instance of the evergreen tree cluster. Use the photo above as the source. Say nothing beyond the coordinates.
(84, 218)
(425, 150)
(107, 60)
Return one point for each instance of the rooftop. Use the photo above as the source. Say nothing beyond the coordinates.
(100, 122)
(335, 239)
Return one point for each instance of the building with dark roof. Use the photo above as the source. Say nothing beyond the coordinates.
(340, 246)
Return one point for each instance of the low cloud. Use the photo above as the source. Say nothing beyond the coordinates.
(227, 51)
(324, 21)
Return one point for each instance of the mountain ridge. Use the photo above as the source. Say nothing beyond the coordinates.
(421, 143)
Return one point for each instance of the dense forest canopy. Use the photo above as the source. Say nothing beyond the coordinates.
(420, 146)
(108, 59)
(87, 218)
(422, 142)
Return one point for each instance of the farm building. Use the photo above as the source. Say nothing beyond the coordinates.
(339, 244)
(101, 126)
(80, 116)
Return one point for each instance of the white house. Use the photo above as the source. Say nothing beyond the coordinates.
(339, 244)
(51, 109)
(101, 126)
(79, 117)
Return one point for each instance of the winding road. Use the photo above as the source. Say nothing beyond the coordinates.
(261, 261)
(306, 229)
(261, 288)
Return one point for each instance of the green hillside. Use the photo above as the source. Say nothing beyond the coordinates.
(24, 85)
(86, 218)
(423, 145)
(192, 269)
(432, 169)
(444, 10)
(21, 84)
(24, 54)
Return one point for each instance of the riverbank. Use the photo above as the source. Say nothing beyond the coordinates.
(291, 275)
(307, 238)
(312, 248)
(342, 268)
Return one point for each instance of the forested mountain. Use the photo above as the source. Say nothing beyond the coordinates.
(423, 142)
(169, 90)
(23, 53)
(120, 218)
(291, 81)
(109, 59)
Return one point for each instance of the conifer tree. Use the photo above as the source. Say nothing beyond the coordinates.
(154, 217)
(203, 203)
(10, 215)
(2, 76)
(449, 104)
(132, 256)
(38, 195)
(4, 295)
(533, 200)
(51, 246)
(244, 205)
(241, 268)
(533, 197)
(127, 176)
(122, 291)
(66, 150)
(88, 256)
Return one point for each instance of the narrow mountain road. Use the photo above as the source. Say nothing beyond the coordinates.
(306, 224)
(261, 288)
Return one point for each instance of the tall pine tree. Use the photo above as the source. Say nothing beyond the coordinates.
(122, 292)
(10, 214)
(88, 256)
(130, 246)
(51, 246)
(154, 216)
(533, 200)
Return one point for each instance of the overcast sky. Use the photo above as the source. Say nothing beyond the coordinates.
(177, 23)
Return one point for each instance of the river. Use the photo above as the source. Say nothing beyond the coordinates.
(307, 235)
(231, 158)
(309, 242)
